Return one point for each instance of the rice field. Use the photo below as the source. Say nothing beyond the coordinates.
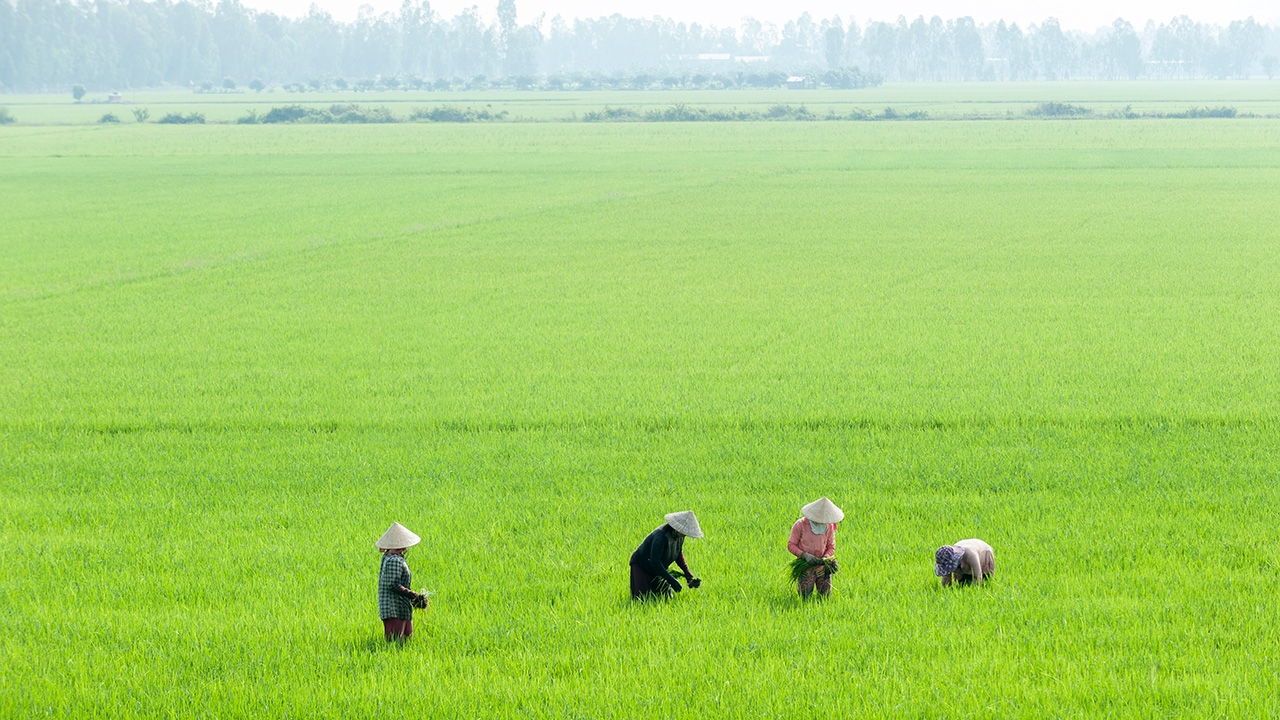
(231, 355)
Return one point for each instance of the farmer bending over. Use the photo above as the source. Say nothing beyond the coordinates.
(651, 562)
(395, 600)
(968, 561)
(813, 537)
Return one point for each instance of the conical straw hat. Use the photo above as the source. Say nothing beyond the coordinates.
(823, 511)
(684, 523)
(397, 536)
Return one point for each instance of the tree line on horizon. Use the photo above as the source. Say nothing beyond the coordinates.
(48, 45)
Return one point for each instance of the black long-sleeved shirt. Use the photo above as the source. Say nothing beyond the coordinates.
(660, 548)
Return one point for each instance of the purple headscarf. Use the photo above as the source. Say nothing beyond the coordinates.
(947, 560)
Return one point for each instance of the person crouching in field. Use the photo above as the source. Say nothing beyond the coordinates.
(968, 561)
(651, 562)
(395, 600)
(813, 537)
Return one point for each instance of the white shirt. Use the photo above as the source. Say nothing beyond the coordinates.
(979, 559)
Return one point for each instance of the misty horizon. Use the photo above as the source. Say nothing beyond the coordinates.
(1087, 18)
(53, 44)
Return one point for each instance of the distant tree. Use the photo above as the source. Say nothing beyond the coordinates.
(968, 48)
(109, 118)
(471, 48)
(1216, 59)
(506, 27)
(833, 43)
(1269, 65)
(1178, 48)
(141, 114)
(77, 91)
(522, 51)
(924, 46)
(129, 43)
(849, 78)
(1123, 51)
(6, 68)
(1245, 39)
(228, 84)
(1053, 50)
(5, 117)
(256, 85)
(8, 43)
(754, 38)
(1012, 48)
(801, 42)
(879, 42)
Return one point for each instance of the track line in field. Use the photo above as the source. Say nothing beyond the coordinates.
(320, 244)
(670, 424)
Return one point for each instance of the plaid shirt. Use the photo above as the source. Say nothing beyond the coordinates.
(395, 573)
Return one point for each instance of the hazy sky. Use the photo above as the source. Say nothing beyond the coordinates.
(1073, 14)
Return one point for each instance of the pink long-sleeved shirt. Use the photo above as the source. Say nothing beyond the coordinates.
(804, 541)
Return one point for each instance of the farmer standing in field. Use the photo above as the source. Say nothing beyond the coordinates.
(968, 561)
(395, 600)
(651, 562)
(813, 537)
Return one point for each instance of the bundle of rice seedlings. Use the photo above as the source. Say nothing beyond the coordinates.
(800, 566)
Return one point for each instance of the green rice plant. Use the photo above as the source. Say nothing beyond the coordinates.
(799, 567)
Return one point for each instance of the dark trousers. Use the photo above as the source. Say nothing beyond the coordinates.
(817, 576)
(397, 629)
(644, 585)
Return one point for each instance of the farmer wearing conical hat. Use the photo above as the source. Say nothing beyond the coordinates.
(813, 537)
(651, 562)
(395, 600)
(968, 561)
